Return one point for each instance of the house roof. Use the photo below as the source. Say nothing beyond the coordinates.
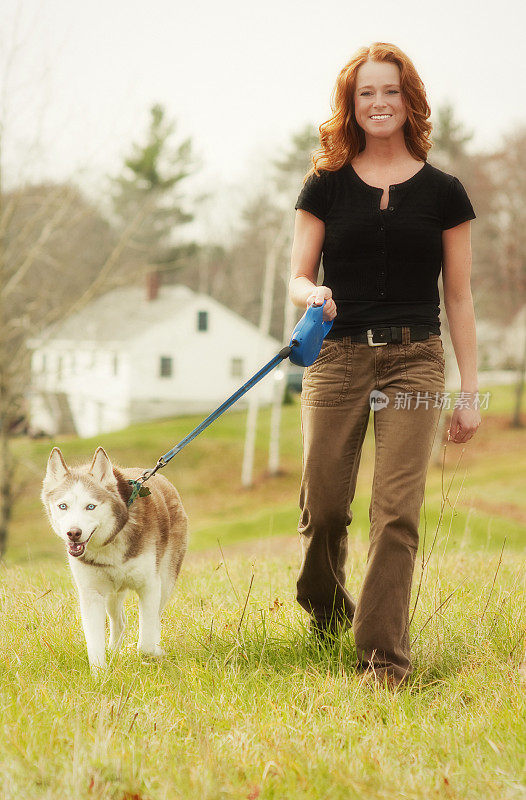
(125, 313)
(119, 315)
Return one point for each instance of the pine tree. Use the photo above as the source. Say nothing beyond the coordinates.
(149, 192)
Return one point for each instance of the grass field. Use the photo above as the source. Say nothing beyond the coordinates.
(244, 705)
(488, 472)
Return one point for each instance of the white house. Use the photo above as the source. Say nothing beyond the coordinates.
(130, 356)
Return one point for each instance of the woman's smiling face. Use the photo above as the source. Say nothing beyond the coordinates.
(378, 93)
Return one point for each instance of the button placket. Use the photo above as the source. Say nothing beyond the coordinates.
(390, 207)
(380, 278)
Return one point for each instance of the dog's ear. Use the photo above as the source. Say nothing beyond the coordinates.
(101, 467)
(57, 468)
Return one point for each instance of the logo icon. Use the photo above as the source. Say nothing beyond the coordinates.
(378, 400)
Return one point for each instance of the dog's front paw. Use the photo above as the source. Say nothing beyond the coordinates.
(151, 651)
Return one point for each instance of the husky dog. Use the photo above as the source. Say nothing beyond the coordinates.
(113, 547)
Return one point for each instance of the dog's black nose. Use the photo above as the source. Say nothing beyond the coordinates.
(74, 534)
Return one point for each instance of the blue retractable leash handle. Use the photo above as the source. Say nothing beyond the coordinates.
(303, 350)
(308, 335)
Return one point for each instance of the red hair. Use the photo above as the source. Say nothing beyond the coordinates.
(341, 137)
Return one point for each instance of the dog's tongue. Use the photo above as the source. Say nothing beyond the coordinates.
(76, 549)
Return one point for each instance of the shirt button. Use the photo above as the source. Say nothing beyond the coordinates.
(391, 208)
(382, 228)
(382, 293)
(381, 274)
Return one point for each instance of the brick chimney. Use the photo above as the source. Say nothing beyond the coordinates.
(152, 285)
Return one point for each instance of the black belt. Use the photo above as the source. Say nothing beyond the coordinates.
(393, 333)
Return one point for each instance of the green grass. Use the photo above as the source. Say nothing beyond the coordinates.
(244, 705)
(207, 473)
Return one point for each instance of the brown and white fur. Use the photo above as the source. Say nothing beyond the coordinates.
(113, 547)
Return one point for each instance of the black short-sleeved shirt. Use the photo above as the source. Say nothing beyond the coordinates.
(382, 265)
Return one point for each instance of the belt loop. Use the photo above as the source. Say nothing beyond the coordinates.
(406, 335)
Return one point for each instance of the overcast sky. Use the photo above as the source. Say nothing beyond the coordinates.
(239, 77)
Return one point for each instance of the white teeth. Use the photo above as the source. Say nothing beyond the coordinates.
(381, 116)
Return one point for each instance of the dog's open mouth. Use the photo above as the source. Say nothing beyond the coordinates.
(77, 548)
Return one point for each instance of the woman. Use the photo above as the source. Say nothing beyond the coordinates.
(387, 222)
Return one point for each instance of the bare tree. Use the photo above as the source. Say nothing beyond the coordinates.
(284, 186)
(290, 170)
(272, 254)
(57, 251)
(511, 266)
(448, 153)
(56, 254)
(289, 319)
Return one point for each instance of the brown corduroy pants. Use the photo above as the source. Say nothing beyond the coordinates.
(403, 384)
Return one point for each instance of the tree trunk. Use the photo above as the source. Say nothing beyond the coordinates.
(279, 393)
(264, 328)
(521, 375)
(247, 469)
(436, 450)
(6, 486)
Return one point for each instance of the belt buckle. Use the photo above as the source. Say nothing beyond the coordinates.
(370, 339)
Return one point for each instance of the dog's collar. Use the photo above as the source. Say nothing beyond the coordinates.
(138, 491)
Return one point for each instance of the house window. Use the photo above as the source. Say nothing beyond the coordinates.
(202, 320)
(236, 368)
(59, 366)
(115, 365)
(165, 367)
(43, 363)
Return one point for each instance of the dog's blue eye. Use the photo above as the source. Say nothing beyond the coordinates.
(62, 506)
(90, 507)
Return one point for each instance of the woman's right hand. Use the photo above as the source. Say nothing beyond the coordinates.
(318, 296)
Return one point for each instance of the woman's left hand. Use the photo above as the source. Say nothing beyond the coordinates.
(463, 425)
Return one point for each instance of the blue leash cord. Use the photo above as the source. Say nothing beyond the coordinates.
(303, 349)
(137, 485)
(223, 407)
